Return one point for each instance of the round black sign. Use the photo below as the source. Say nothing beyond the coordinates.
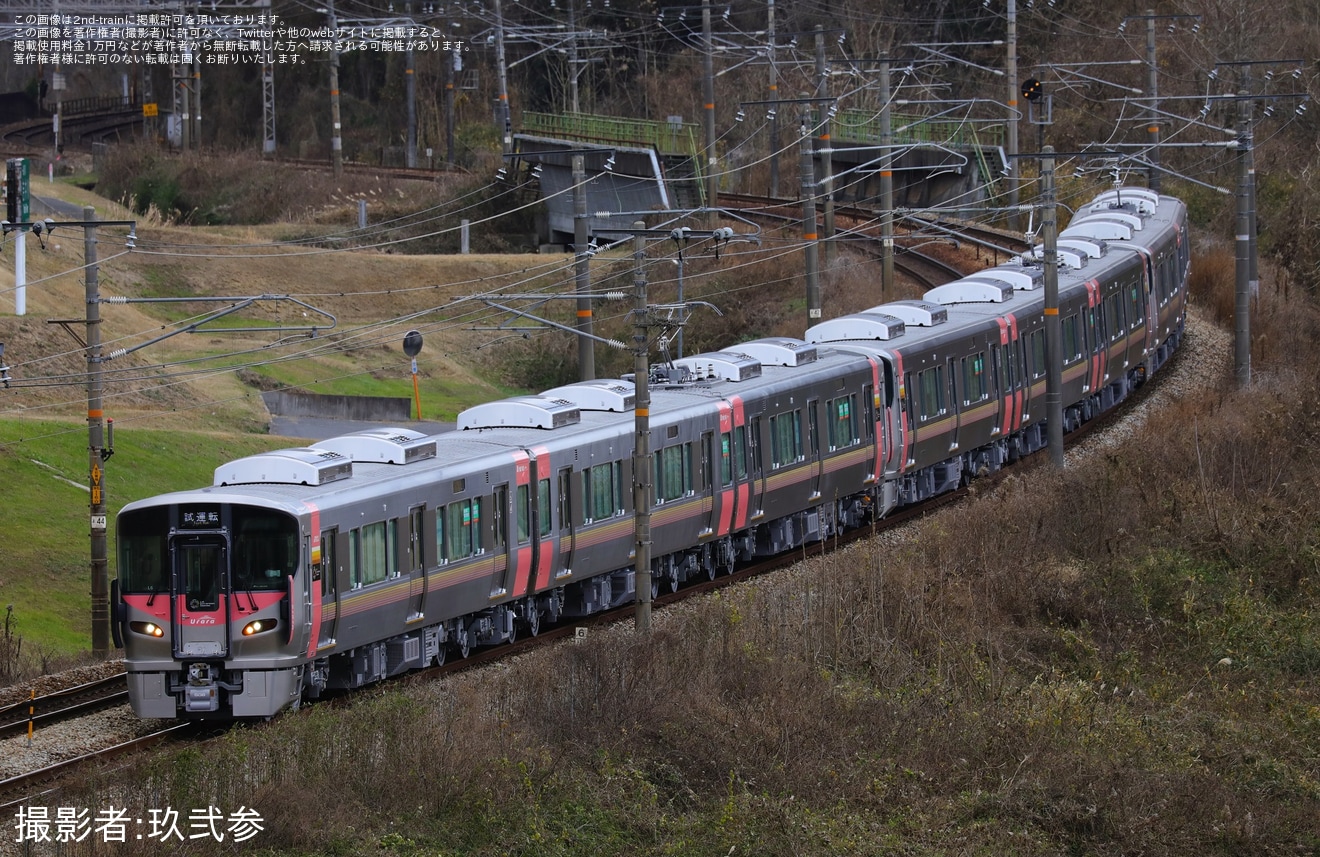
(412, 343)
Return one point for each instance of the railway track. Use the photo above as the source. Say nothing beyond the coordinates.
(26, 787)
(42, 711)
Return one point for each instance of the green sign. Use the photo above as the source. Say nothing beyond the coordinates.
(17, 190)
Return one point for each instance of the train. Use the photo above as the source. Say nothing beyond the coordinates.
(329, 567)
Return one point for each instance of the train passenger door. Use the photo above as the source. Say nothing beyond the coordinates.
(955, 403)
(416, 563)
(756, 459)
(201, 608)
(814, 454)
(569, 501)
(329, 589)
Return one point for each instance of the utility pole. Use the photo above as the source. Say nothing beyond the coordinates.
(586, 344)
(806, 168)
(410, 93)
(642, 442)
(336, 141)
(503, 118)
(573, 62)
(1011, 139)
(1153, 94)
(1053, 325)
(95, 445)
(886, 183)
(451, 80)
(708, 88)
(774, 95)
(1242, 292)
(826, 157)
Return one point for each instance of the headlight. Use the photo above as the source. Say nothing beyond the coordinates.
(257, 626)
(151, 629)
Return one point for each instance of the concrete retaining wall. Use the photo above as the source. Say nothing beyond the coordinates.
(371, 408)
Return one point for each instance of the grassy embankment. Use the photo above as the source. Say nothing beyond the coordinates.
(1119, 659)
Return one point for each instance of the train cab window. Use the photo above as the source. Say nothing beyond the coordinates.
(930, 387)
(786, 438)
(973, 379)
(265, 549)
(523, 513)
(142, 549)
(843, 421)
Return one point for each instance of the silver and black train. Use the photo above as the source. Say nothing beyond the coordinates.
(373, 553)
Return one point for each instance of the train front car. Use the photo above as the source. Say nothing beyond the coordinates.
(211, 603)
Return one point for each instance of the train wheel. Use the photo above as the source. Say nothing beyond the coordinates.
(532, 624)
(441, 651)
(708, 562)
(462, 644)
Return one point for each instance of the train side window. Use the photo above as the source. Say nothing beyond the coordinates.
(868, 409)
(740, 452)
(785, 438)
(726, 458)
(1114, 317)
(355, 558)
(440, 555)
(565, 504)
(670, 481)
(478, 546)
(843, 423)
(1136, 306)
(973, 379)
(459, 526)
(523, 513)
(499, 517)
(375, 553)
(1038, 362)
(543, 507)
(417, 560)
(1071, 350)
(329, 563)
(930, 383)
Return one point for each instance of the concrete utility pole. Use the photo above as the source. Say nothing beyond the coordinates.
(1011, 138)
(806, 168)
(642, 487)
(708, 88)
(100, 570)
(586, 344)
(826, 158)
(1242, 292)
(1152, 93)
(410, 93)
(336, 141)
(1053, 325)
(774, 95)
(503, 117)
(886, 183)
